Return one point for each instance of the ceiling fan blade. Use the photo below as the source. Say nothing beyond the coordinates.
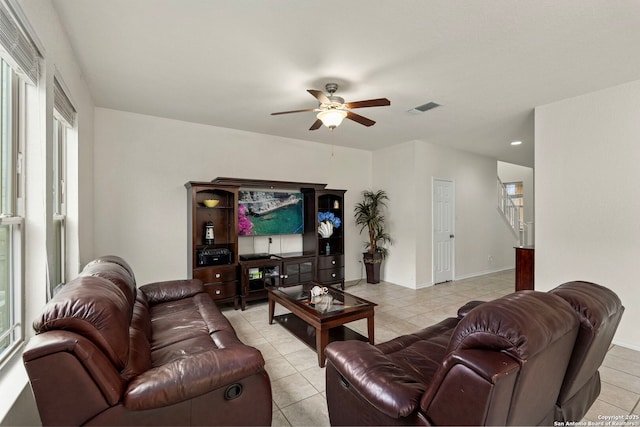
(320, 96)
(379, 102)
(316, 125)
(293, 111)
(360, 119)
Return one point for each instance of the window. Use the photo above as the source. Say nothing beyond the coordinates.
(19, 66)
(11, 220)
(59, 204)
(64, 117)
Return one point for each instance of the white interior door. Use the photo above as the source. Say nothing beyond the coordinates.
(443, 230)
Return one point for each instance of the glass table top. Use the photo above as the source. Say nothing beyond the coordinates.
(330, 301)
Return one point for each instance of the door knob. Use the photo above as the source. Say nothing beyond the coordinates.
(451, 236)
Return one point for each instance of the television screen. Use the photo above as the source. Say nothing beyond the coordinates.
(265, 213)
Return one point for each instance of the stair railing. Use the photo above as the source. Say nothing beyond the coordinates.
(510, 212)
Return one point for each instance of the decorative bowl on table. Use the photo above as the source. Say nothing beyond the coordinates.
(211, 203)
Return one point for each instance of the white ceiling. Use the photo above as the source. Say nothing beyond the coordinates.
(231, 63)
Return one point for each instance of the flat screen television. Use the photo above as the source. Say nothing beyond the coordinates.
(267, 213)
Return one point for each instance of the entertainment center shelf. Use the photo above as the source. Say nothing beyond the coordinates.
(213, 234)
(329, 250)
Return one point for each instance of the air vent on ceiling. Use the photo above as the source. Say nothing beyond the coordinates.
(424, 107)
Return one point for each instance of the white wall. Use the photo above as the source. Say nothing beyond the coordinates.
(142, 163)
(393, 172)
(588, 196)
(405, 171)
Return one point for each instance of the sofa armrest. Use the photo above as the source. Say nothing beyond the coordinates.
(374, 376)
(70, 377)
(485, 379)
(192, 376)
(465, 309)
(171, 290)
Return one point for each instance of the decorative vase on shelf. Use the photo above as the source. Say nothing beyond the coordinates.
(325, 229)
(327, 221)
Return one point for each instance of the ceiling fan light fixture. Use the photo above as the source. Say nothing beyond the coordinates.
(332, 118)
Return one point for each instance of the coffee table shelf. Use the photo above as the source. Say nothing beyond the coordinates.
(307, 333)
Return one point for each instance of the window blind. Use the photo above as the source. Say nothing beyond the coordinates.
(18, 45)
(62, 104)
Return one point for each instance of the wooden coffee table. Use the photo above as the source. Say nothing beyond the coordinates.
(319, 320)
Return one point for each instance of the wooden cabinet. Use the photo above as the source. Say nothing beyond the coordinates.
(278, 270)
(329, 251)
(525, 256)
(220, 282)
(256, 276)
(297, 270)
(331, 269)
(214, 261)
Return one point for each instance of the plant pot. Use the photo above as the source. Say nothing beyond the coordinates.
(372, 264)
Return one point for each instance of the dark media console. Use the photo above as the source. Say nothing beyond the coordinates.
(276, 270)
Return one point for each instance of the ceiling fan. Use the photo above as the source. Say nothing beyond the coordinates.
(332, 109)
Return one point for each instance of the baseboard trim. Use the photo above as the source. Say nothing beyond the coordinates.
(483, 273)
(626, 345)
(428, 284)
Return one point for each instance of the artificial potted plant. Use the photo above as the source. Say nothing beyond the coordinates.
(368, 214)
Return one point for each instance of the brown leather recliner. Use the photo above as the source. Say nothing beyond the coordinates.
(107, 353)
(599, 310)
(502, 362)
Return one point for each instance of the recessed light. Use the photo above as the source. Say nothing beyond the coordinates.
(516, 143)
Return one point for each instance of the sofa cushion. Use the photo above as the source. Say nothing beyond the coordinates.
(175, 321)
(420, 354)
(94, 308)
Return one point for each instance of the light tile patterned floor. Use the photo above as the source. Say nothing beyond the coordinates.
(298, 384)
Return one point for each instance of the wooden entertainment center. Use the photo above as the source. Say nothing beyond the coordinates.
(230, 279)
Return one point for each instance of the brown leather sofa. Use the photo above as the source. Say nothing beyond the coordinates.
(108, 353)
(528, 358)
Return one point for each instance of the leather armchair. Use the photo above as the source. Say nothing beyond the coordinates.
(599, 311)
(503, 362)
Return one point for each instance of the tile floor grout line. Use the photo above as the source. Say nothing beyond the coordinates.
(635, 407)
